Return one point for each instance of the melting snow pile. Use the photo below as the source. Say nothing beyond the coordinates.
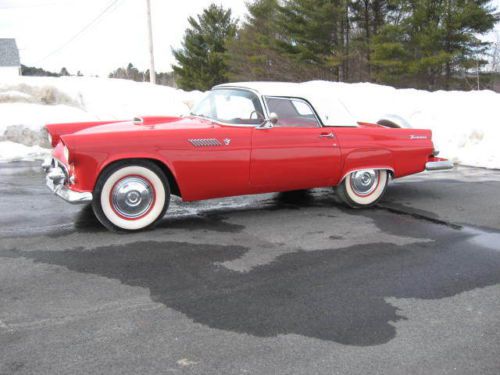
(465, 125)
(10, 151)
(28, 103)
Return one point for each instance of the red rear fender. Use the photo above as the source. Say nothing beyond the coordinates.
(367, 159)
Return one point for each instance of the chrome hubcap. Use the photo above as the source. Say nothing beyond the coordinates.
(364, 182)
(132, 197)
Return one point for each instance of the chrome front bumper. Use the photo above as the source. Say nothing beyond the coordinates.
(438, 165)
(56, 180)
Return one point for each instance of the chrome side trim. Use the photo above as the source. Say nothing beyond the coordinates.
(438, 165)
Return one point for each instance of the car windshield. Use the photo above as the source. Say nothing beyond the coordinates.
(230, 106)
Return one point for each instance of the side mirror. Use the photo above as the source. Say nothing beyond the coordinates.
(273, 118)
(269, 122)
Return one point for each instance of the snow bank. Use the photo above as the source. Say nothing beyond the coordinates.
(86, 98)
(10, 151)
(28, 103)
(465, 125)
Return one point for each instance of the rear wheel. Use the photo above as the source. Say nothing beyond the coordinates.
(131, 196)
(363, 188)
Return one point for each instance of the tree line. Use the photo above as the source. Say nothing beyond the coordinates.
(129, 72)
(39, 72)
(428, 44)
(134, 74)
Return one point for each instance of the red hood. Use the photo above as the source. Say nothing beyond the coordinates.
(140, 124)
(145, 123)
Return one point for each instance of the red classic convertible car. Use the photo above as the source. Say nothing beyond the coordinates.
(241, 138)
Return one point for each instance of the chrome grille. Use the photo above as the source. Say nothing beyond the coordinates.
(57, 163)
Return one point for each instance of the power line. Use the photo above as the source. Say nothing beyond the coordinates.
(88, 26)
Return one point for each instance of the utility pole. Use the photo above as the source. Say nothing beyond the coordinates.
(152, 73)
(478, 85)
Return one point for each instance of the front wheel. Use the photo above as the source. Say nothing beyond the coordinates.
(131, 196)
(363, 188)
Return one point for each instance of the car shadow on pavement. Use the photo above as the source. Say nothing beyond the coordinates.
(334, 295)
(86, 221)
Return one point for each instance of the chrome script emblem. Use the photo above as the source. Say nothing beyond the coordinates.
(418, 136)
(227, 141)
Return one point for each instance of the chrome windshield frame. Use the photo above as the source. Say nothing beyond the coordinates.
(259, 97)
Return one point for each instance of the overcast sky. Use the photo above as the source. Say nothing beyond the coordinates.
(42, 27)
(117, 38)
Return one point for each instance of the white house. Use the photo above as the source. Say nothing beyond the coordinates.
(10, 64)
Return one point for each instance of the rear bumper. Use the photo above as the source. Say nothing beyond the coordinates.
(56, 180)
(438, 165)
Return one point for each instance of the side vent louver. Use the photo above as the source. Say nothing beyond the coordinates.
(205, 142)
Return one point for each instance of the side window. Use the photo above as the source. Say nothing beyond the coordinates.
(292, 112)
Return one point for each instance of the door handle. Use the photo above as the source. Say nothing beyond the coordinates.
(327, 135)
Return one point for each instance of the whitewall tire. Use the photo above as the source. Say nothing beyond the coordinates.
(131, 196)
(363, 188)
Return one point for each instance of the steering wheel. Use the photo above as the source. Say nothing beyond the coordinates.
(259, 116)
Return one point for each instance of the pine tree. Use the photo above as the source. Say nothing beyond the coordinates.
(200, 61)
(427, 43)
(463, 21)
(252, 55)
(64, 72)
(316, 34)
(367, 17)
(133, 73)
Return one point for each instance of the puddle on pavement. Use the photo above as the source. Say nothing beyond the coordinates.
(483, 238)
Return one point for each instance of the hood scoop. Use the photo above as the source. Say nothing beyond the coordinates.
(138, 121)
(153, 120)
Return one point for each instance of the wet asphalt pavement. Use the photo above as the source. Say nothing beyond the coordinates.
(287, 283)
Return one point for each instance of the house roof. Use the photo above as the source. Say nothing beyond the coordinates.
(9, 54)
(330, 108)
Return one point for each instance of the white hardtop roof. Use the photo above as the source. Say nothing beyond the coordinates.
(330, 109)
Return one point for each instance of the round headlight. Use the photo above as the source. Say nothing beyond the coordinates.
(49, 137)
(66, 153)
